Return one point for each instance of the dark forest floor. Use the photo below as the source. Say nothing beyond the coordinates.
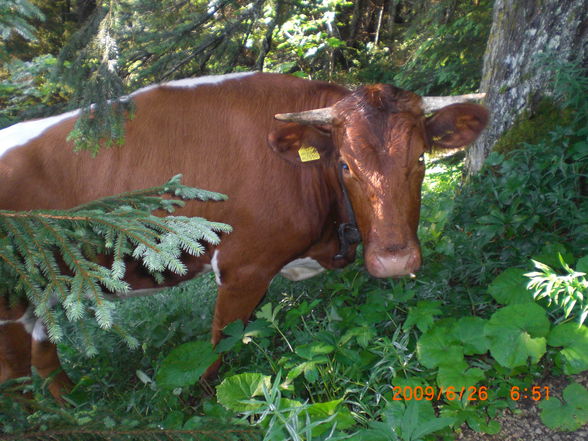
(526, 425)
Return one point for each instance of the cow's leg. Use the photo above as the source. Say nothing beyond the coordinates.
(240, 289)
(234, 303)
(44, 358)
(16, 323)
(24, 343)
(15, 351)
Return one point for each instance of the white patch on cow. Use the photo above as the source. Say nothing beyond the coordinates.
(28, 320)
(32, 324)
(191, 82)
(301, 269)
(216, 268)
(212, 79)
(39, 331)
(139, 91)
(23, 132)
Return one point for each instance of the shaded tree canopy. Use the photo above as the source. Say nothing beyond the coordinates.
(97, 50)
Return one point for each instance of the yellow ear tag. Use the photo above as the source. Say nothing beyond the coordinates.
(308, 153)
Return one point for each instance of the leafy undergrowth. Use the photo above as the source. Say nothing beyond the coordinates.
(346, 356)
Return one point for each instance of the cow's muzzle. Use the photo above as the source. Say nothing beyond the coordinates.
(398, 263)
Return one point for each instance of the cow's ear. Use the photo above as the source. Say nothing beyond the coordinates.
(456, 125)
(301, 144)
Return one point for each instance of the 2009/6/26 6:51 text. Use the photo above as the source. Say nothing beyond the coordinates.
(472, 393)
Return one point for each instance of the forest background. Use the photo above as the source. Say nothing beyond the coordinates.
(430, 47)
(310, 367)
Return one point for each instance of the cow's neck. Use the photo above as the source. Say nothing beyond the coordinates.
(327, 245)
(347, 230)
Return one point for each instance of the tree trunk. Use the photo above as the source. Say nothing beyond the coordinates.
(391, 10)
(266, 43)
(356, 21)
(84, 8)
(512, 78)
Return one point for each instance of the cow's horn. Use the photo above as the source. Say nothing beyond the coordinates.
(432, 103)
(316, 116)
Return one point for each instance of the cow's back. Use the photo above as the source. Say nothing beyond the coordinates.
(214, 134)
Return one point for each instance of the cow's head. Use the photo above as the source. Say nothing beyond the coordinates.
(378, 135)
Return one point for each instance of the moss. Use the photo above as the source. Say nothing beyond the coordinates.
(533, 126)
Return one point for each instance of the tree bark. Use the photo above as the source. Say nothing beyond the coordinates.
(356, 21)
(266, 43)
(512, 78)
(84, 8)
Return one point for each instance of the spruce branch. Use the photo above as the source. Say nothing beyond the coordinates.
(54, 257)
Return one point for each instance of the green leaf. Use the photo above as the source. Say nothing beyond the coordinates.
(430, 426)
(184, 365)
(335, 42)
(438, 346)
(295, 372)
(478, 423)
(423, 315)
(376, 431)
(311, 372)
(410, 382)
(269, 313)
(510, 287)
(311, 350)
(516, 333)
(234, 329)
(322, 411)
(293, 315)
(174, 420)
(257, 328)
(362, 334)
(417, 420)
(215, 410)
(470, 332)
(236, 392)
(459, 376)
(194, 423)
(569, 415)
(574, 340)
(549, 255)
(582, 265)
(234, 333)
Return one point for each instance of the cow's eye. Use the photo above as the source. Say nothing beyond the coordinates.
(422, 159)
(345, 167)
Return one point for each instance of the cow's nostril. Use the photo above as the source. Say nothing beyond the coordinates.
(394, 248)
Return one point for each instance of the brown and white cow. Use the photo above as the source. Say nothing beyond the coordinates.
(289, 180)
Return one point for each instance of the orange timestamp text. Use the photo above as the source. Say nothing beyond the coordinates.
(430, 393)
(535, 393)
